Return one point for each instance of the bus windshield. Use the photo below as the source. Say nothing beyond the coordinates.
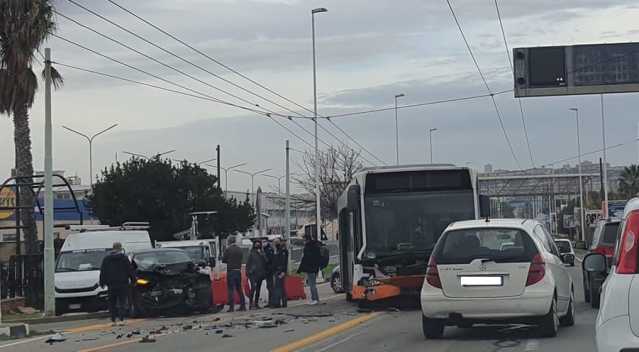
(412, 222)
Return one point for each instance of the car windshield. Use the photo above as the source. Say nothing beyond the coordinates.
(502, 245)
(412, 222)
(196, 253)
(84, 260)
(149, 260)
(563, 246)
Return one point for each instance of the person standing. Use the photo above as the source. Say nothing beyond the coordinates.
(256, 271)
(280, 270)
(233, 258)
(269, 254)
(116, 273)
(310, 266)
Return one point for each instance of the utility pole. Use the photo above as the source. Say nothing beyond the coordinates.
(605, 162)
(581, 186)
(397, 130)
(49, 260)
(287, 207)
(318, 213)
(430, 141)
(219, 179)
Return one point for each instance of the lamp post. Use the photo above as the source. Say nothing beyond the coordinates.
(279, 179)
(226, 175)
(90, 140)
(581, 187)
(146, 157)
(430, 142)
(253, 174)
(318, 215)
(397, 129)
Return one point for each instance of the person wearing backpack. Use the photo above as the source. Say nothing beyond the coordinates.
(310, 266)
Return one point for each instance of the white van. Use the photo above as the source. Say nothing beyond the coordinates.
(77, 271)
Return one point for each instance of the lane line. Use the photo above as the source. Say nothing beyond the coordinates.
(337, 329)
(336, 343)
(532, 345)
(21, 342)
(109, 346)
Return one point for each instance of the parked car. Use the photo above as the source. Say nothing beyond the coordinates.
(617, 324)
(566, 251)
(168, 280)
(471, 278)
(336, 280)
(77, 270)
(603, 242)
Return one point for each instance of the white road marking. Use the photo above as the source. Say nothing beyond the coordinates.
(21, 342)
(532, 345)
(339, 342)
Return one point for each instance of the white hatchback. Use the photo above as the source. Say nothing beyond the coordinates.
(473, 277)
(617, 325)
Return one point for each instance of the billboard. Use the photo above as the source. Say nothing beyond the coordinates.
(7, 200)
(576, 69)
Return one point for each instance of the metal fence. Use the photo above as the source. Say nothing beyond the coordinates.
(23, 276)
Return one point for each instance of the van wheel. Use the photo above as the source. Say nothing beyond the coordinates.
(549, 323)
(569, 318)
(433, 328)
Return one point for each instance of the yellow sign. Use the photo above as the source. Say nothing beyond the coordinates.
(7, 199)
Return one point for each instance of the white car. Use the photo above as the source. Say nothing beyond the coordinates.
(617, 325)
(472, 278)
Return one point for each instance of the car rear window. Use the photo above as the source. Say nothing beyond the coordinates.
(503, 245)
(610, 234)
(563, 246)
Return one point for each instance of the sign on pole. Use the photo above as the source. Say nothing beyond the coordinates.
(576, 69)
(8, 200)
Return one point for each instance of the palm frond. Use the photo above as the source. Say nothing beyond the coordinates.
(56, 78)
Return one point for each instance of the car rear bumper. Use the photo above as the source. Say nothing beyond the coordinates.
(436, 305)
(614, 335)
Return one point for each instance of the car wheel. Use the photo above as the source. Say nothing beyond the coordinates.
(586, 288)
(549, 323)
(433, 328)
(336, 283)
(569, 318)
(595, 295)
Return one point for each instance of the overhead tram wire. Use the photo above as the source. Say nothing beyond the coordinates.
(512, 69)
(483, 78)
(239, 74)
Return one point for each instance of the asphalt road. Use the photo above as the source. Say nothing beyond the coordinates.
(335, 325)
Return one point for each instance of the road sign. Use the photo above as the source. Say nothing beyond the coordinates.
(7, 199)
(576, 69)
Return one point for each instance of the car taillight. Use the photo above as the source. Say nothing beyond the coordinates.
(432, 274)
(627, 262)
(605, 250)
(537, 270)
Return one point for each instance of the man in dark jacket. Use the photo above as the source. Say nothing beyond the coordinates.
(233, 259)
(310, 265)
(280, 270)
(117, 274)
(269, 253)
(256, 271)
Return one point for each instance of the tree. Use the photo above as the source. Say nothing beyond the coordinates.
(24, 26)
(629, 182)
(163, 194)
(337, 167)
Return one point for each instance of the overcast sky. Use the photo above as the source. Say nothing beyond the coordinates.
(367, 51)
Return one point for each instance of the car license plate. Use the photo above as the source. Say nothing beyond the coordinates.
(467, 281)
(75, 306)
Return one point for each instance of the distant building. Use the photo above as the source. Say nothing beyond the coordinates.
(488, 168)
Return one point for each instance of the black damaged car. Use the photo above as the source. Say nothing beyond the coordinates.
(167, 281)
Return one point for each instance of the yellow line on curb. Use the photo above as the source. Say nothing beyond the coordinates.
(337, 329)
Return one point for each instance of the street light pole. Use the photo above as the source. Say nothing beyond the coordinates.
(226, 175)
(581, 188)
(430, 141)
(318, 215)
(253, 174)
(397, 130)
(605, 161)
(90, 140)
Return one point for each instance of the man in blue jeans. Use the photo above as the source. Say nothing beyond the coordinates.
(310, 266)
(233, 259)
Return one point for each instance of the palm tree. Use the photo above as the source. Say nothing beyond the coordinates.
(629, 182)
(24, 26)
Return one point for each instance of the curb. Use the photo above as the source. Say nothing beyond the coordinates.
(59, 319)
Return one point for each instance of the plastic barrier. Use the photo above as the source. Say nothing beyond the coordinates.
(295, 288)
(220, 291)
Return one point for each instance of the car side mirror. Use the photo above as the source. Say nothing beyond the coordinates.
(567, 258)
(595, 263)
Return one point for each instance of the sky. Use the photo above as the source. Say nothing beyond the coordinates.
(367, 52)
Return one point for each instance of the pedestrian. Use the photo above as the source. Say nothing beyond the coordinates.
(233, 258)
(269, 253)
(310, 266)
(116, 273)
(256, 271)
(280, 270)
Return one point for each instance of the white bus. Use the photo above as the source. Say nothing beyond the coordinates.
(389, 221)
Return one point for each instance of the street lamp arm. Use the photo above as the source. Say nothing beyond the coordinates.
(262, 171)
(103, 131)
(243, 172)
(76, 132)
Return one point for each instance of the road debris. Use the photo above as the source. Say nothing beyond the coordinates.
(55, 339)
(265, 323)
(147, 339)
(227, 335)
(289, 330)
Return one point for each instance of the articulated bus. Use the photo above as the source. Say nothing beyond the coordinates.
(389, 221)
